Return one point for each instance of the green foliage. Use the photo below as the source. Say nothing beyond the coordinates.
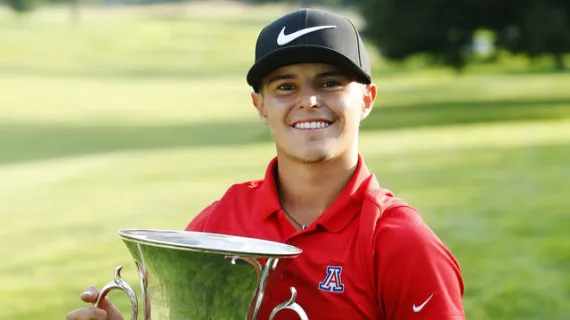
(444, 30)
(130, 122)
(22, 6)
(305, 3)
(441, 29)
(537, 28)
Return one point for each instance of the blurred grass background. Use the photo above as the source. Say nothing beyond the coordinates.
(140, 117)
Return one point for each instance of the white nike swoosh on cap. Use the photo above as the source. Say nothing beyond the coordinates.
(283, 38)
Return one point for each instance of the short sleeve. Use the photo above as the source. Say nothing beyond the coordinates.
(418, 277)
(200, 220)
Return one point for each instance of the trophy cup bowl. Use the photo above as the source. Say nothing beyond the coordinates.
(187, 275)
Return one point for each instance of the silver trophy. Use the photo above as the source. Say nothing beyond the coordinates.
(201, 276)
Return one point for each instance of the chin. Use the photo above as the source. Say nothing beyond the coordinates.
(312, 152)
(313, 156)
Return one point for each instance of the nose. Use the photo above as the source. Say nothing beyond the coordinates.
(308, 98)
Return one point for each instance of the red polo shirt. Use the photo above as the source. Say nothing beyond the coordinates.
(368, 256)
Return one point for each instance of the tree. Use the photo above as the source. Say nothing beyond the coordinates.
(444, 29)
(538, 28)
(22, 6)
(440, 29)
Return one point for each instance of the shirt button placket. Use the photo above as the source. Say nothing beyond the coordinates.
(291, 241)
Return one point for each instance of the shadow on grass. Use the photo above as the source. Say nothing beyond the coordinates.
(132, 74)
(465, 112)
(536, 71)
(488, 203)
(27, 142)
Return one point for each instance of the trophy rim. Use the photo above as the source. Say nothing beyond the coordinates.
(284, 250)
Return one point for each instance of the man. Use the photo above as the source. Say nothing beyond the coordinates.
(366, 254)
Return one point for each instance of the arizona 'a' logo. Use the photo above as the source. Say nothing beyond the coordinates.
(333, 281)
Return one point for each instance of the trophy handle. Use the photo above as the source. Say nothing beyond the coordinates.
(291, 305)
(120, 284)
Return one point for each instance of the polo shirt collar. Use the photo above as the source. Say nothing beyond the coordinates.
(341, 211)
(348, 203)
(268, 199)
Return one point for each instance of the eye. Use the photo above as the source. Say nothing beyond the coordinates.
(331, 83)
(285, 87)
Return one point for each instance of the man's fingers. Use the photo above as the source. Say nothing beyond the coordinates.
(90, 295)
(89, 313)
(112, 311)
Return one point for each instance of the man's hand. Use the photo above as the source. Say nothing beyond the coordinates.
(106, 310)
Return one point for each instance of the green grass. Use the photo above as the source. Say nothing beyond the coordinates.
(128, 120)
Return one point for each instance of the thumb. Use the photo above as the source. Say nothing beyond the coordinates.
(91, 295)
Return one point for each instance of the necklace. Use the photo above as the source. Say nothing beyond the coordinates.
(303, 226)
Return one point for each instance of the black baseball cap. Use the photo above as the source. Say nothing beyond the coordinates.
(309, 36)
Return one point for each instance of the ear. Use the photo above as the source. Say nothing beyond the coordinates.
(258, 103)
(368, 99)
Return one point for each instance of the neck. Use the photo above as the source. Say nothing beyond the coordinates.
(306, 190)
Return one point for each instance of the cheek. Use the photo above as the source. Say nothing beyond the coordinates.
(275, 121)
(351, 121)
(347, 104)
(276, 112)
(355, 108)
(350, 111)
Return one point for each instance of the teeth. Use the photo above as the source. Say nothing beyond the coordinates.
(312, 125)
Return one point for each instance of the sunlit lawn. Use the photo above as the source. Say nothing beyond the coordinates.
(127, 122)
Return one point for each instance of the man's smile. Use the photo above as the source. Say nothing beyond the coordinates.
(311, 124)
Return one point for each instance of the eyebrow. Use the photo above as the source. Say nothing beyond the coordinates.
(289, 76)
(278, 77)
(332, 73)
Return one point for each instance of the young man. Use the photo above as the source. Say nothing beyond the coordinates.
(366, 253)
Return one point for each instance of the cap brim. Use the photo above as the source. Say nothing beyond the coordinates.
(303, 54)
